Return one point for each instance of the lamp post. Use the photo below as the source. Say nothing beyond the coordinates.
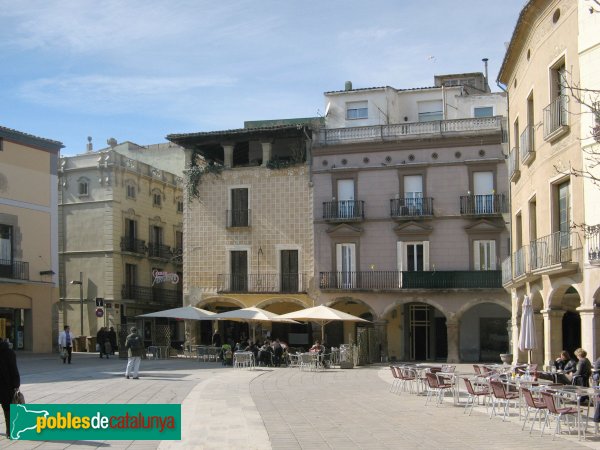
(80, 283)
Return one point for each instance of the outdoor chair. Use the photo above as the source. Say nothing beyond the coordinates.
(554, 411)
(435, 386)
(243, 360)
(397, 378)
(532, 404)
(501, 396)
(474, 394)
(410, 379)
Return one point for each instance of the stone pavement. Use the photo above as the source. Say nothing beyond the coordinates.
(278, 408)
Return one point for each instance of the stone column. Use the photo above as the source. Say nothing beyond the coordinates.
(266, 152)
(553, 337)
(538, 353)
(227, 155)
(589, 320)
(452, 327)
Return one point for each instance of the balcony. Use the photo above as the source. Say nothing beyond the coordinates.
(159, 251)
(129, 244)
(592, 236)
(507, 271)
(527, 145)
(147, 294)
(411, 208)
(513, 165)
(262, 283)
(409, 130)
(394, 280)
(14, 270)
(483, 205)
(556, 253)
(521, 266)
(238, 218)
(344, 211)
(556, 118)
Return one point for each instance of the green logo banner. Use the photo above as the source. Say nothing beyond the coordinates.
(69, 422)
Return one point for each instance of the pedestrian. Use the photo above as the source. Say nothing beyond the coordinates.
(112, 338)
(9, 380)
(216, 339)
(135, 349)
(65, 344)
(101, 341)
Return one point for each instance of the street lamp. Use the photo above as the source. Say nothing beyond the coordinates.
(80, 283)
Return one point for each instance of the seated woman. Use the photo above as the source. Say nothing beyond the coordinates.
(565, 363)
(583, 372)
(317, 348)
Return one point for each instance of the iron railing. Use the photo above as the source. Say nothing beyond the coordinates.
(411, 207)
(344, 210)
(556, 115)
(556, 248)
(593, 244)
(394, 280)
(408, 130)
(521, 266)
(129, 244)
(152, 294)
(513, 163)
(483, 205)
(238, 218)
(527, 144)
(15, 270)
(159, 251)
(507, 270)
(263, 282)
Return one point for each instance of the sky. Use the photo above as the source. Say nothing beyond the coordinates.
(140, 70)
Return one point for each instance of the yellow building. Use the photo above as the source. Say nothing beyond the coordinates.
(28, 239)
(121, 222)
(552, 261)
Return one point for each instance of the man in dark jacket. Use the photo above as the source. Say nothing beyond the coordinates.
(9, 380)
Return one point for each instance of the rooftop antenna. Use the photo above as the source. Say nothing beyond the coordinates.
(89, 146)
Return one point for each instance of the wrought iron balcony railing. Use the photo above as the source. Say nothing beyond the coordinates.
(15, 270)
(409, 130)
(507, 270)
(171, 297)
(483, 205)
(238, 218)
(527, 144)
(159, 251)
(521, 265)
(344, 210)
(411, 207)
(129, 244)
(395, 280)
(556, 116)
(264, 282)
(513, 164)
(593, 244)
(556, 248)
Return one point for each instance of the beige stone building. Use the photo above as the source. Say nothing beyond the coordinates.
(550, 62)
(28, 239)
(121, 222)
(249, 230)
(410, 201)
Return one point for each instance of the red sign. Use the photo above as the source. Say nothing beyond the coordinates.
(99, 312)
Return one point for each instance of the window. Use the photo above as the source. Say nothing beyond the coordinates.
(156, 240)
(130, 281)
(346, 265)
(413, 194)
(130, 190)
(484, 256)
(430, 110)
(483, 111)
(483, 186)
(556, 113)
(156, 199)
(179, 241)
(82, 187)
(180, 206)
(239, 214)
(357, 110)
(413, 256)
(6, 251)
(239, 271)
(1, 144)
(563, 215)
(289, 270)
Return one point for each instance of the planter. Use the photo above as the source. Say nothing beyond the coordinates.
(506, 358)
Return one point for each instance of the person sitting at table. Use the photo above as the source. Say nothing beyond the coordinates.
(564, 363)
(265, 354)
(583, 372)
(317, 348)
(252, 347)
(277, 352)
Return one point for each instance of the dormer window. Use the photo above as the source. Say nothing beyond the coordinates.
(357, 110)
(130, 190)
(156, 198)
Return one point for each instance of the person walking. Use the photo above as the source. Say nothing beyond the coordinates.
(112, 338)
(135, 349)
(9, 380)
(65, 342)
(101, 339)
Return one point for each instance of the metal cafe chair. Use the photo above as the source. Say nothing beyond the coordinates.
(502, 396)
(532, 404)
(554, 411)
(474, 394)
(436, 387)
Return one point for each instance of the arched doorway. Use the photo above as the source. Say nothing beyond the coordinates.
(484, 333)
(426, 337)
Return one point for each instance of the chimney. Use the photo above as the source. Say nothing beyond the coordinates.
(90, 146)
(112, 142)
(485, 63)
(348, 86)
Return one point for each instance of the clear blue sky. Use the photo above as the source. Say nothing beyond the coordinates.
(141, 69)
